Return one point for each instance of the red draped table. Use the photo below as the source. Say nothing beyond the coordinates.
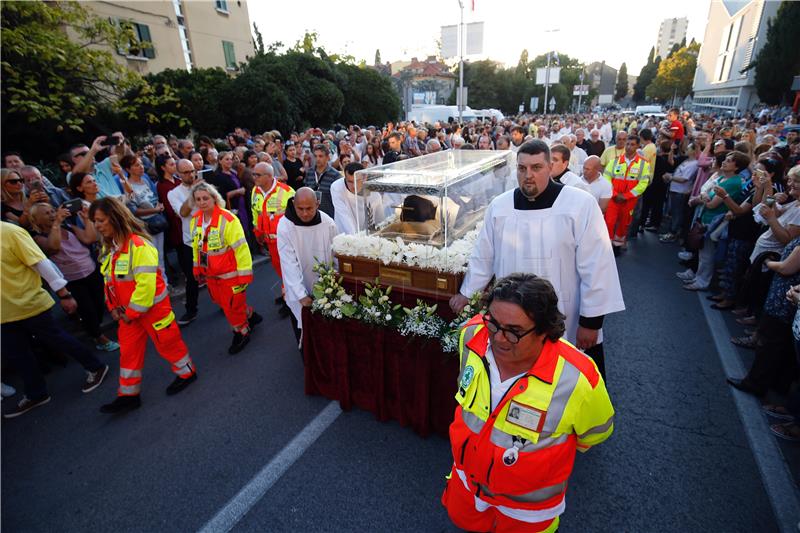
(408, 379)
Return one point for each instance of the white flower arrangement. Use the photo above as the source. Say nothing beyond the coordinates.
(422, 321)
(452, 258)
(330, 298)
(451, 333)
(376, 307)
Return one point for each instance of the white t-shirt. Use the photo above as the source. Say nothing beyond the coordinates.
(499, 387)
(176, 197)
(600, 188)
(767, 241)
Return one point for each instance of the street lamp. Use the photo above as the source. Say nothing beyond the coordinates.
(460, 99)
(547, 72)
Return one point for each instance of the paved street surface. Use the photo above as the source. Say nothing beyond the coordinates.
(679, 459)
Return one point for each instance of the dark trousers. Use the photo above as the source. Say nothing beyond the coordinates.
(88, 293)
(598, 355)
(775, 365)
(295, 328)
(653, 205)
(192, 290)
(678, 205)
(16, 347)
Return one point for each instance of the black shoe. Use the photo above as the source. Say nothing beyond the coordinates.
(284, 311)
(280, 301)
(179, 383)
(254, 319)
(25, 405)
(238, 343)
(745, 385)
(122, 404)
(651, 229)
(187, 318)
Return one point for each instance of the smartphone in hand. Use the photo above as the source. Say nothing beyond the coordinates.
(74, 205)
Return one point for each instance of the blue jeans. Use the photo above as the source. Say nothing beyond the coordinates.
(16, 338)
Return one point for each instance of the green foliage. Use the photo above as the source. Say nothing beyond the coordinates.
(377, 57)
(675, 74)
(53, 81)
(779, 60)
(259, 40)
(369, 97)
(646, 76)
(622, 82)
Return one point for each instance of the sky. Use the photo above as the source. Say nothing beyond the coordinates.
(615, 31)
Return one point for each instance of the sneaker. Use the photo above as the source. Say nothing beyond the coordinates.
(8, 390)
(651, 228)
(684, 255)
(110, 346)
(179, 383)
(695, 287)
(25, 405)
(685, 275)
(238, 343)
(94, 379)
(668, 238)
(122, 404)
(254, 319)
(187, 318)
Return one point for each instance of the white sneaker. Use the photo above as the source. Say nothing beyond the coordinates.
(686, 275)
(683, 255)
(8, 390)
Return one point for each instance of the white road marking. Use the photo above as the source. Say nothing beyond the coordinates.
(239, 505)
(782, 493)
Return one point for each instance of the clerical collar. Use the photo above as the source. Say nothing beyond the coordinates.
(544, 201)
(557, 179)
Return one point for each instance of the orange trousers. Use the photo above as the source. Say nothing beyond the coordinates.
(272, 246)
(619, 217)
(233, 301)
(461, 507)
(160, 325)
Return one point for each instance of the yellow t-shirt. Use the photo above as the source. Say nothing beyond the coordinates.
(22, 295)
(649, 152)
(611, 153)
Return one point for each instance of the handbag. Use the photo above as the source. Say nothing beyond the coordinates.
(156, 223)
(696, 236)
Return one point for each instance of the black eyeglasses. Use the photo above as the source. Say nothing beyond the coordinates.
(14, 180)
(511, 336)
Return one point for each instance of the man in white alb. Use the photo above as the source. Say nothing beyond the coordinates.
(559, 168)
(305, 235)
(354, 209)
(555, 232)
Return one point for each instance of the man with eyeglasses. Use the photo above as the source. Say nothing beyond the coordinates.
(178, 199)
(83, 161)
(527, 401)
(556, 232)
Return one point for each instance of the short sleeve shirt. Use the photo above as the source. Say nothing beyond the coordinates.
(23, 295)
(676, 127)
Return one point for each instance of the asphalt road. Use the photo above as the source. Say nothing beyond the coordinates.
(678, 460)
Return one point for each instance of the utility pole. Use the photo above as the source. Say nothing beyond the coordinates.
(580, 91)
(460, 98)
(546, 83)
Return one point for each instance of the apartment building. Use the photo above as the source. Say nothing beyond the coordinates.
(671, 32)
(184, 34)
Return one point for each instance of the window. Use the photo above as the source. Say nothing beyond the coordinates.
(221, 5)
(139, 33)
(727, 48)
(230, 55)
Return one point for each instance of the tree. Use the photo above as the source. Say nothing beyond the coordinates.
(675, 74)
(646, 76)
(779, 60)
(259, 40)
(378, 57)
(55, 81)
(522, 66)
(622, 83)
(369, 98)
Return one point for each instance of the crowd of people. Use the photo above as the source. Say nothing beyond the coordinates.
(721, 188)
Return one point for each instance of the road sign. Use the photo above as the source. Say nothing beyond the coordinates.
(552, 103)
(541, 75)
(534, 104)
(580, 90)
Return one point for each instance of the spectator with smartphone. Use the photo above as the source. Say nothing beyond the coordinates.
(15, 204)
(34, 181)
(68, 247)
(84, 161)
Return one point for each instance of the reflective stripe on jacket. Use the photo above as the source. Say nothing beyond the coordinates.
(256, 204)
(272, 210)
(559, 405)
(132, 277)
(229, 256)
(628, 178)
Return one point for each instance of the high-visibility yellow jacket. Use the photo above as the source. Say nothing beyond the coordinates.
(520, 454)
(132, 278)
(225, 247)
(273, 205)
(629, 178)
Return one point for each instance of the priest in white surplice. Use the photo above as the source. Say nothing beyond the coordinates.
(354, 209)
(305, 236)
(556, 232)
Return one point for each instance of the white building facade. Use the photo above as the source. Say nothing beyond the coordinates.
(735, 32)
(671, 32)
